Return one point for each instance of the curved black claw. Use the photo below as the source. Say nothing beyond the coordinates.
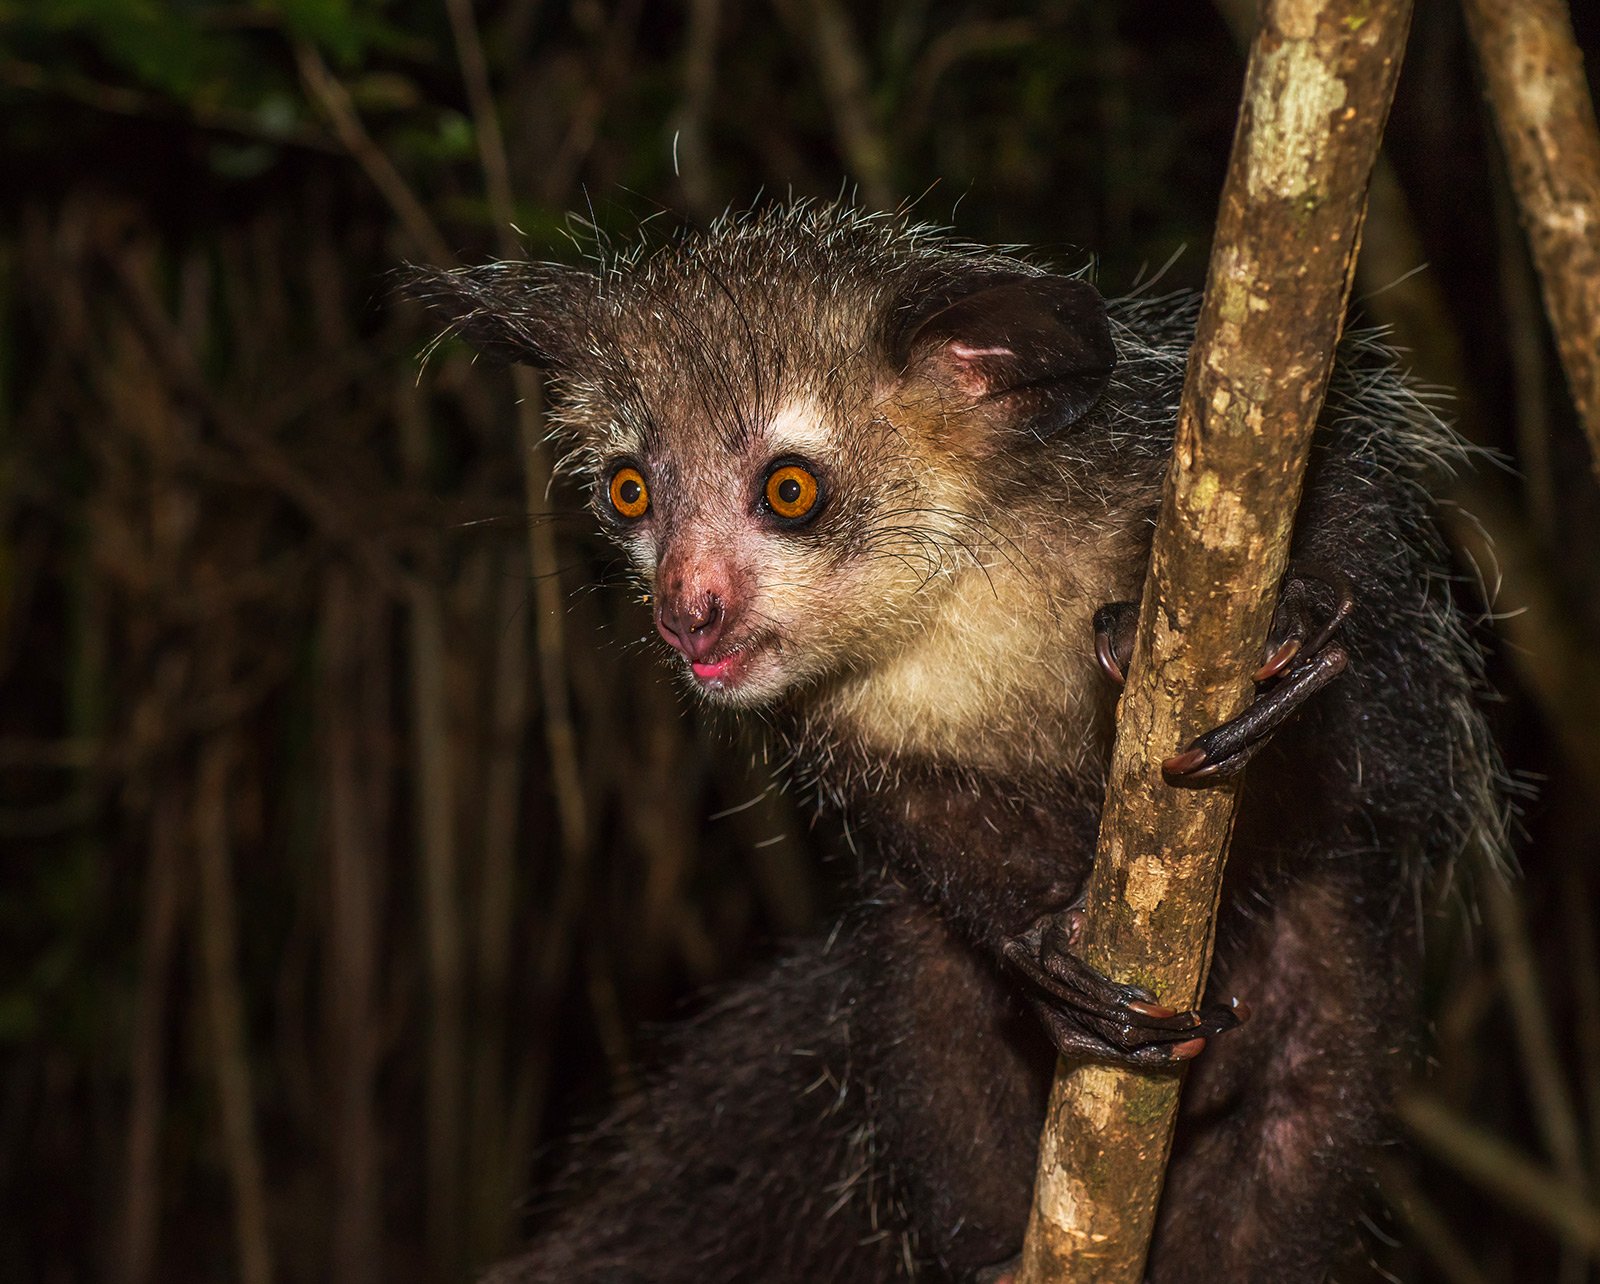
(1310, 590)
(1091, 1017)
(1301, 660)
(1114, 625)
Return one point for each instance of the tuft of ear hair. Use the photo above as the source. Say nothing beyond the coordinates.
(1034, 352)
(512, 312)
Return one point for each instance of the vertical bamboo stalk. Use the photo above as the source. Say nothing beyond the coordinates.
(549, 600)
(441, 918)
(225, 1011)
(1317, 92)
(352, 944)
(438, 877)
(157, 936)
(496, 1153)
(508, 709)
(538, 468)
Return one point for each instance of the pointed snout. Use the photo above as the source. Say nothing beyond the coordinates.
(698, 602)
(693, 625)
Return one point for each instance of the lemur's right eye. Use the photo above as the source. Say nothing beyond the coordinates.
(629, 495)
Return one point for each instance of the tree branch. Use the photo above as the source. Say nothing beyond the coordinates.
(1317, 92)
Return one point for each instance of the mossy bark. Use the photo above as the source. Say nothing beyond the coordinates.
(1318, 88)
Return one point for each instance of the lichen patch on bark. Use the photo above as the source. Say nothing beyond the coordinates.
(1307, 95)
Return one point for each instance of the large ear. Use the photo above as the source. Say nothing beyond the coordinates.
(1034, 352)
(529, 312)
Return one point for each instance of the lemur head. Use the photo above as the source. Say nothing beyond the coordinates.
(799, 426)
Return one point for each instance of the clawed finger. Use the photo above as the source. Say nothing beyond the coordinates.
(1224, 750)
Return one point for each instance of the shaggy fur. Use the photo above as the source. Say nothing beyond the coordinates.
(868, 1108)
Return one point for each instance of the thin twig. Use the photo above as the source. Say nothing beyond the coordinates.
(561, 174)
(1553, 1108)
(329, 514)
(846, 85)
(1513, 1178)
(120, 100)
(330, 94)
(978, 38)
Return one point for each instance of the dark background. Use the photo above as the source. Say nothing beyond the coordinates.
(347, 836)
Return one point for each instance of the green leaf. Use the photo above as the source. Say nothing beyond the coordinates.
(163, 47)
(331, 25)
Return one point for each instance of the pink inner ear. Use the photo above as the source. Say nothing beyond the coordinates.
(963, 360)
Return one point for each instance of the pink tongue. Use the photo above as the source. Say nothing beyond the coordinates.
(713, 670)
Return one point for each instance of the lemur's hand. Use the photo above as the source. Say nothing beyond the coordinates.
(1089, 1016)
(1301, 658)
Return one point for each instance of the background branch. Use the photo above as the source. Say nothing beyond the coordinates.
(1546, 121)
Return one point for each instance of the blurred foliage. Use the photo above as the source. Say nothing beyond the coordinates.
(305, 958)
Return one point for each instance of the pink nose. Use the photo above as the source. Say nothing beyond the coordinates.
(694, 626)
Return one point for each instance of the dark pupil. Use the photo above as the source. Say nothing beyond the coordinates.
(630, 492)
(789, 490)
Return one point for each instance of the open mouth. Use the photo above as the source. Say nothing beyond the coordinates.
(713, 670)
(725, 670)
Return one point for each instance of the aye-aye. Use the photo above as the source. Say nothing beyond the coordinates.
(897, 493)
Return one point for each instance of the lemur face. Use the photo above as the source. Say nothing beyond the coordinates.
(774, 557)
(794, 426)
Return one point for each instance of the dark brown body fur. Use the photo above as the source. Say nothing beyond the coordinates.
(868, 1108)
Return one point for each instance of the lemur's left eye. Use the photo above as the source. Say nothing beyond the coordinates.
(792, 491)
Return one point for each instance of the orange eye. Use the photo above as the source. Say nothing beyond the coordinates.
(791, 491)
(629, 495)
